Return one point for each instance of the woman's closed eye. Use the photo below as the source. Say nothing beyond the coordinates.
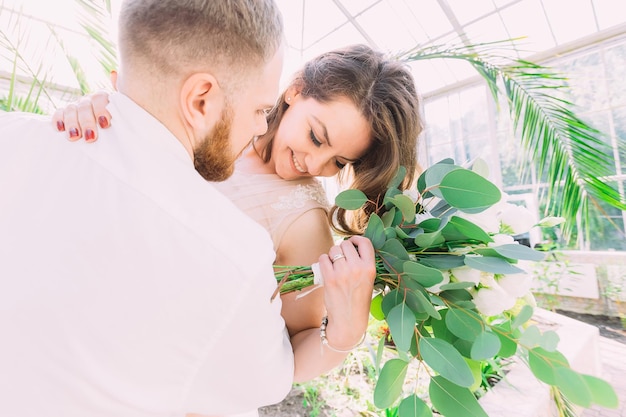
(314, 139)
(340, 165)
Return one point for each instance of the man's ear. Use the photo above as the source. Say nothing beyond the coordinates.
(201, 100)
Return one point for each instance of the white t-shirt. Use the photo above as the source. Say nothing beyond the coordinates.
(129, 286)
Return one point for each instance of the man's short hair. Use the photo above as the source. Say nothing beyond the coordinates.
(182, 37)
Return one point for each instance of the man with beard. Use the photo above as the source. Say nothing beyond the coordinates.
(128, 285)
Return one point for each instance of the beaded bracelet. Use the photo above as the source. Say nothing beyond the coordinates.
(325, 340)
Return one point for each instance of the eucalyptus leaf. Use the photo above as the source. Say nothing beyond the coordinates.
(375, 231)
(465, 324)
(426, 305)
(426, 240)
(457, 285)
(414, 406)
(573, 386)
(351, 199)
(432, 176)
(406, 206)
(544, 364)
(523, 316)
(389, 385)
(486, 346)
(442, 262)
(469, 230)
(440, 329)
(531, 337)
(491, 264)
(508, 339)
(425, 275)
(390, 300)
(452, 400)
(602, 393)
(521, 252)
(549, 340)
(464, 189)
(443, 358)
(376, 308)
(397, 180)
(394, 255)
(401, 322)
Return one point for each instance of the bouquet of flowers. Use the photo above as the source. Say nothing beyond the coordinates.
(450, 288)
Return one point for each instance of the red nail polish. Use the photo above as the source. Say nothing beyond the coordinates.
(103, 122)
(60, 126)
(73, 132)
(89, 135)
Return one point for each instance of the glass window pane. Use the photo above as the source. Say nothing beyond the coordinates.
(587, 84)
(466, 11)
(615, 63)
(608, 12)
(537, 36)
(570, 19)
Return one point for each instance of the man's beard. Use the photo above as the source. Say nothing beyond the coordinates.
(213, 157)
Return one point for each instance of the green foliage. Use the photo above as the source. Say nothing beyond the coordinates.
(570, 154)
(434, 273)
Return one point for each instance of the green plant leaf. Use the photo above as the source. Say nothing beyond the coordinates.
(425, 275)
(375, 231)
(544, 364)
(443, 358)
(426, 240)
(389, 385)
(486, 346)
(391, 299)
(573, 386)
(491, 264)
(351, 199)
(464, 324)
(406, 206)
(453, 401)
(531, 337)
(432, 178)
(549, 340)
(414, 406)
(464, 189)
(468, 230)
(440, 329)
(602, 393)
(401, 322)
(457, 285)
(376, 307)
(394, 255)
(426, 305)
(397, 180)
(523, 316)
(443, 262)
(508, 339)
(517, 251)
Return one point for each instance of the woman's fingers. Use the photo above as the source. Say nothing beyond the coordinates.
(99, 102)
(83, 119)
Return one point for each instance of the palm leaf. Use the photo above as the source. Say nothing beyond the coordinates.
(572, 156)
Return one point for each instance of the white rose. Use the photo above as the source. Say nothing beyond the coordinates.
(436, 289)
(501, 239)
(466, 274)
(516, 285)
(491, 301)
(518, 218)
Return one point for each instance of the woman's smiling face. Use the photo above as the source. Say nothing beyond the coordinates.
(318, 139)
